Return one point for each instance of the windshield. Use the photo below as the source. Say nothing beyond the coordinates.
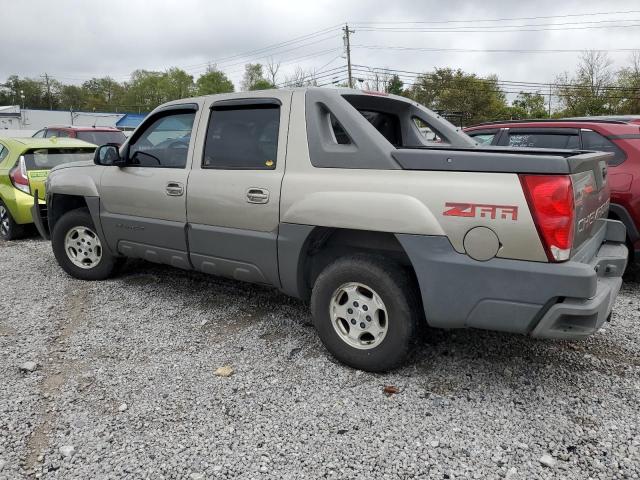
(47, 158)
(101, 138)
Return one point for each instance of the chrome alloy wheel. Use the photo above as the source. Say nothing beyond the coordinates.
(83, 247)
(4, 221)
(358, 316)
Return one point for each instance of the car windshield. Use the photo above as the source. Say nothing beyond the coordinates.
(101, 138)
(47, 158)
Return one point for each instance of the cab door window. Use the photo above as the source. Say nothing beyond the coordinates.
(164, 143)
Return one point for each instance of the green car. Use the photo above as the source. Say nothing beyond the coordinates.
(24, 166)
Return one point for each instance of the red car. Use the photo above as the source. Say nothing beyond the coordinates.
(95, 135)
(618, 135)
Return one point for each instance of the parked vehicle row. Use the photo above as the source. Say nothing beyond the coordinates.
(24, 166)
(95, 135)
(338, 197)
(619, 135)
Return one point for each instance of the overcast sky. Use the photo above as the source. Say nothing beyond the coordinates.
(73, 40)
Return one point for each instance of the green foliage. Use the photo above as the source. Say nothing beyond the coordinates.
(394, 86)
(253, 78)
(214, 81)
(529, 105)
(454, 91)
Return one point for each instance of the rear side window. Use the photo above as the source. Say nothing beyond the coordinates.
(39, 134)
(242, 138)
(594, 141)
(544, 140)
(387, 124)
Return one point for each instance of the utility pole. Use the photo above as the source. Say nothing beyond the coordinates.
(46, 79)
(549, 100)
(347, 46)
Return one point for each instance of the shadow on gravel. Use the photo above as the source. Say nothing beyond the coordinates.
(462, 354)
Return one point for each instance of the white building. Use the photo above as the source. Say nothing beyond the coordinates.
(19, 122)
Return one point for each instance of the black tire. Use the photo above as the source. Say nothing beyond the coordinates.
(398, 292)
(105, 266)
(9, 229)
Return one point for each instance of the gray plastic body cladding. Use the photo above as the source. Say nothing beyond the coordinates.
(498, 294)
(246, 255)
(292, 239)
(150, 232)
(155, 254)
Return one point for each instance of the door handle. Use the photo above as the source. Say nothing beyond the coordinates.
(174, 189)
(257, 195)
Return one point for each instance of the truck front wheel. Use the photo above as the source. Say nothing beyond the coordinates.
(78, 248)
(366, 312)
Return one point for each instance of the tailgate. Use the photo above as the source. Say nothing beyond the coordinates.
(590, 193)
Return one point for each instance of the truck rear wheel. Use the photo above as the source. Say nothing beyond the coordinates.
(78, 248)
(366, 312)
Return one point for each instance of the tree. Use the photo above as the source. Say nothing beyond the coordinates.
(214, 81)
(395, 85)
(272, 71)
(454, 91)
(588, 92)
(629, 82)
(253, 78)
(529, 105)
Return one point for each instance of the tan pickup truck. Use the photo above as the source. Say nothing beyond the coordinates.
(372, 207)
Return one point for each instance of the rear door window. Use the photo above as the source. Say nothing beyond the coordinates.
(543, 139)
(242, 138)
(4, 151)
(594, 141)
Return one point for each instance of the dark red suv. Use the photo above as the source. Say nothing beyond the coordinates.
(618, 135)
(96, 135)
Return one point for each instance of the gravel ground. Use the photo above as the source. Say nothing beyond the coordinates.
(125, 388)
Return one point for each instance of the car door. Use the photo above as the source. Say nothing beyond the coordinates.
(143, 203)
(233, 197)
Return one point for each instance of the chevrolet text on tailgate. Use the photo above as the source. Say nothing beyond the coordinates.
(378, 211)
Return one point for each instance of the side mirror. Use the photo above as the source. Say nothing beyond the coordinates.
(107, 155)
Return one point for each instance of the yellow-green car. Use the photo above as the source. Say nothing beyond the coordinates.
(24, 166)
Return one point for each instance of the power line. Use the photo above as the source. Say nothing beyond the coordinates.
(476, 20)
(515, 28)
(492, 50)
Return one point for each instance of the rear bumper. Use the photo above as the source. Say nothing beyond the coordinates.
(574, 318)
(550, 300)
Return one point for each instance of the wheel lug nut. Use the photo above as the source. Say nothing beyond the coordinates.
(368, 318)
(353, 321)
(355, 304)
(365, 308)
(362, 325)
(349, 311)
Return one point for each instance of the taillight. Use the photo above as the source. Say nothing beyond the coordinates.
(550, 199)
(18, 176)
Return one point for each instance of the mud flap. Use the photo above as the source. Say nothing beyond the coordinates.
(39, 214)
